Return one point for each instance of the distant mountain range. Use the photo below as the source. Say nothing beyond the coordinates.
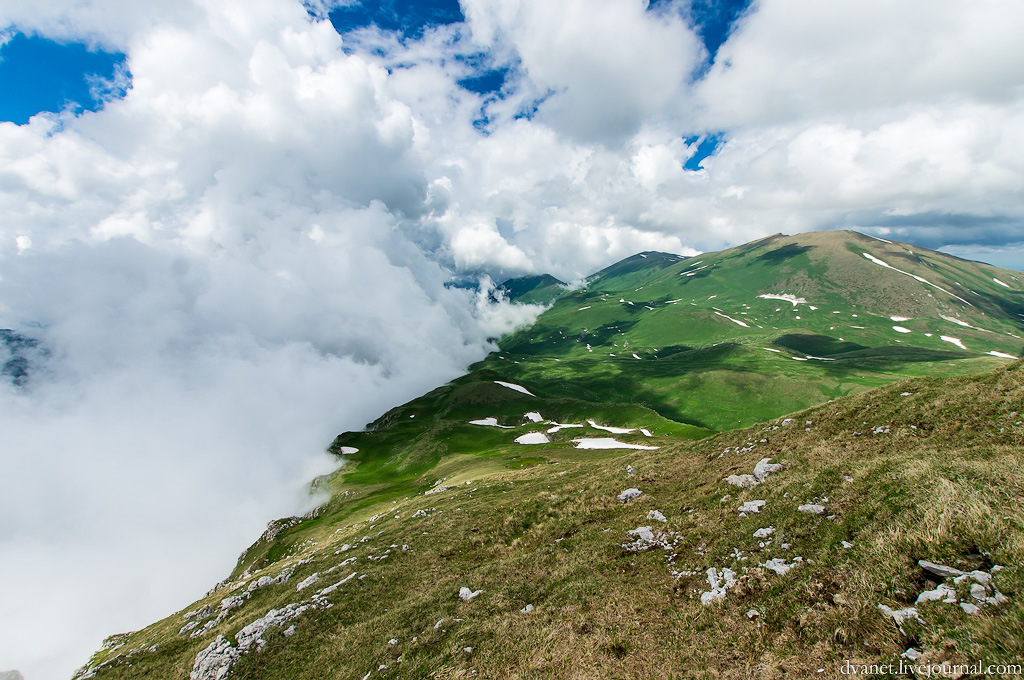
(689, 467)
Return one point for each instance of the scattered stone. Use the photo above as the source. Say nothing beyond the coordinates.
(742, 481)
(465, 594)
(214, 662)
(438, 624)
(900, 615)
(629, 495)
(943, 592)
(764, 533)
(261, 582)
(971, 609)
(308, 581)
(645, 539)
(657, 516)
(779, 565)
(753, 614)
(630, 471)
(812, 508)
(911, 654)
(393, 641)
(467, 650)
(764, 468)
(527, 609)
(289, 631)
(847, 545)
(940, 570)
(752, 506)
(720, 585)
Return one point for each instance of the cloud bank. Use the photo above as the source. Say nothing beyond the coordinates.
(247, 253)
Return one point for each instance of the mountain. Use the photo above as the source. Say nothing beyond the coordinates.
(792, 455)
(532, 290)
(727, 339)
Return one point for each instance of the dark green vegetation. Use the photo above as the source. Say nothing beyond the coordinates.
(430, 502)
(532, 290)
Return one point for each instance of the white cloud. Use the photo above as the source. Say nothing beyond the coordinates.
(610, 65)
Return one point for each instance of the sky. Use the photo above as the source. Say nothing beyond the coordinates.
(226, 227)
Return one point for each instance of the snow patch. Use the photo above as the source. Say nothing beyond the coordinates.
(489, 422)
(901, 329)
(786, 297)
(613, 430)
(517, 388)
(1000, 282)
(736, 321)
(952, 340)
(533, 416)
(1002, 355)
(608, 443)
(532, 438)
(348, 450)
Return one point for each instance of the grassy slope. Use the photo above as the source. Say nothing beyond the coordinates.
(946, 484)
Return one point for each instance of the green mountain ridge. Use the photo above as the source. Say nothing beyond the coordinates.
(684, 361)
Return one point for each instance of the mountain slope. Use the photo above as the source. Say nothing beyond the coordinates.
(531, 290)
(928, 469)
(726, 339)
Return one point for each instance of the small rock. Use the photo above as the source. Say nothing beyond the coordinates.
(978, 592)
(899, 615)
(764, 533)
(393, 641)
(940, 570)
(847, 545)
(753, 613)
(779, 565)
(752, 506)
(742, 481)
(527, 609)
(628, 495)
(764, 468)
(467, 650)
(911, 654)
(812, 508)
(289, 631)
(306, 582)
(969, 608)
(943, 592)
(465, 594)
(656, 516)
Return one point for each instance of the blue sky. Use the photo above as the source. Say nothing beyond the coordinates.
(38, 74)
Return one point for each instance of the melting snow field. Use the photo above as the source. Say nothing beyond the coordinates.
(561, 426)
(348, 450)
(532, 438)
(883, 263)
(607, 443)
(898, 318)
(732, 319)
(787, 297)
(901, 329)
(1002, 355)
(1000, 282)
(613, 430)
(533, 416)
(955, 341)
(517, 388)
(490, 422)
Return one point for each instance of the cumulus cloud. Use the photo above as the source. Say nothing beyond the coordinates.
(247, 253)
